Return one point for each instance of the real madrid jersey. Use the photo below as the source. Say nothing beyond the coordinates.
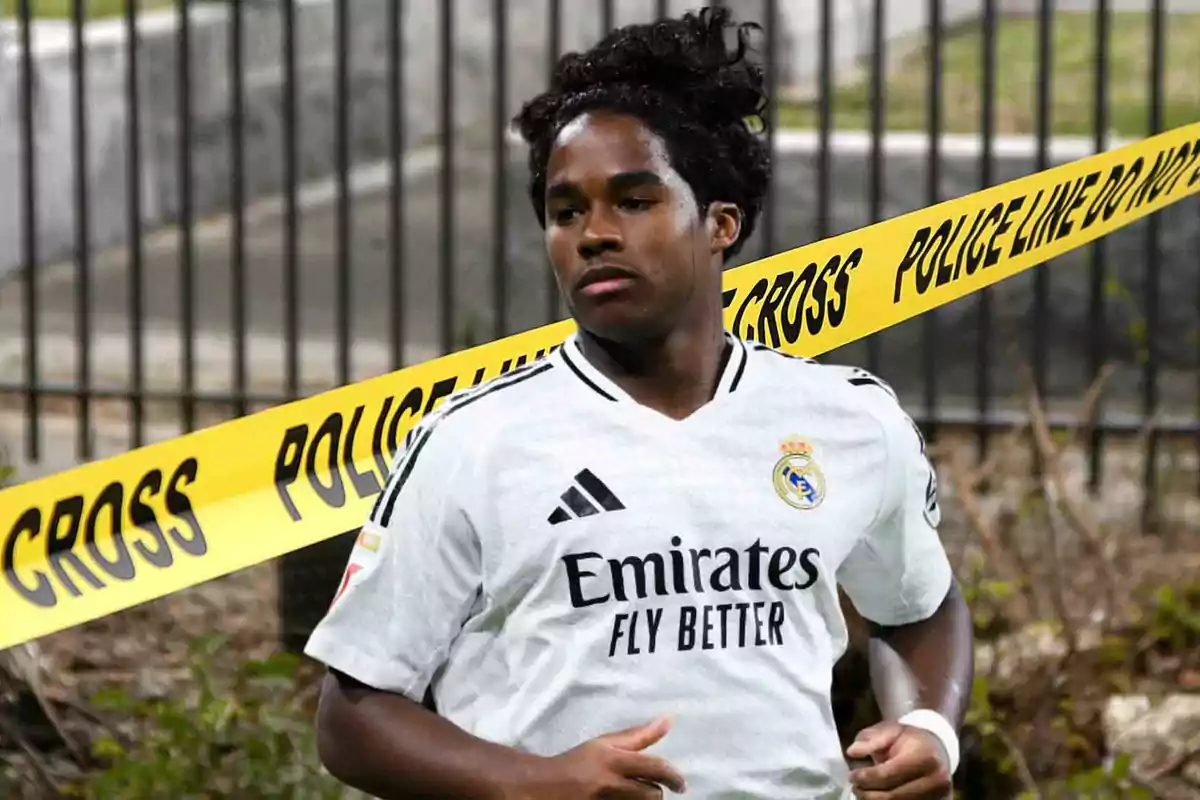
(555, 561)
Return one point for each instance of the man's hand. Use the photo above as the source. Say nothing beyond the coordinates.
(910, 764)
(611, 767)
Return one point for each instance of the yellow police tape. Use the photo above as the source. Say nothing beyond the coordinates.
(108, 535)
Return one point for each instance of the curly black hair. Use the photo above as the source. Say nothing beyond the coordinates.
(679, 77)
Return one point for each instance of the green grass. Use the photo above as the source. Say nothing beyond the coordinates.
(93, 9)
(1072, 87)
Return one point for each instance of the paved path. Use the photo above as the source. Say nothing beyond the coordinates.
(266, 236)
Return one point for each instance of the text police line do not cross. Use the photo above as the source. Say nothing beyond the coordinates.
(108, 535)
(942, 253)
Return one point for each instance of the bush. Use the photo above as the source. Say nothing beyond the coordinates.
(236, 732)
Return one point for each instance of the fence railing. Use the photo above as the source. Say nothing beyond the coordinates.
(212, 207)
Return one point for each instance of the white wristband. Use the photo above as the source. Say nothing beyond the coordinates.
(930, 720)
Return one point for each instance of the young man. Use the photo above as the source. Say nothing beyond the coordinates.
(616, 569)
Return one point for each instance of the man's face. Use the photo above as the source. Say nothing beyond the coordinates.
(630, 249)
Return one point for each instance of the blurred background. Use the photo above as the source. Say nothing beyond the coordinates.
(211, 207)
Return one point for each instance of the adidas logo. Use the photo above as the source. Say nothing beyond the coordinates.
(580, 504)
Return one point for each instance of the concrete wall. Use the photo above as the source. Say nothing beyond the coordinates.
(161, 134)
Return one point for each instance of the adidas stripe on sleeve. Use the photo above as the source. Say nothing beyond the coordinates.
(898, 572)
(413, 575)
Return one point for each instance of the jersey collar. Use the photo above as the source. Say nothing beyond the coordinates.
(571, 356)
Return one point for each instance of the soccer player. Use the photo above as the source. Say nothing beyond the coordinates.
(614, 572)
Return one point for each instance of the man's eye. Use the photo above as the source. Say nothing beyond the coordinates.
(637, 203)
(564, 216)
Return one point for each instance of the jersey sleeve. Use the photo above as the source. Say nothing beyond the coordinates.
(898, 572)
(413, 574)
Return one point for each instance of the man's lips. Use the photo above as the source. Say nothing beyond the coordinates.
(605, 286)
(604, 279)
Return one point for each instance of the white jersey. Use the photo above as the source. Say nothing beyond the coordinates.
(555, 561)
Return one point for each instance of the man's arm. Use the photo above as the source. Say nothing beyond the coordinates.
(414, 577)
(921, 649)
(922, 674)
(392, 747)
(926, 664)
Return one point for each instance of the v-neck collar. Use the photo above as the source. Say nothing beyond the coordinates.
(571, 356)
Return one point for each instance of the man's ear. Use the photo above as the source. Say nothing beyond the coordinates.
(725, 225)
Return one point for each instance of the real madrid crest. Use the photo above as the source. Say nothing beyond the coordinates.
(798, 479)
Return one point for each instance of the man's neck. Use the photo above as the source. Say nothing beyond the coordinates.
(675, 375)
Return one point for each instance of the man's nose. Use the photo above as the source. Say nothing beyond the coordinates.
(600, 233)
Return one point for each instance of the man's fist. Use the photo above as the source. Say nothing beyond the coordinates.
(909, 764)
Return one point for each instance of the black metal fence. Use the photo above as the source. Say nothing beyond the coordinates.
(293, 197)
